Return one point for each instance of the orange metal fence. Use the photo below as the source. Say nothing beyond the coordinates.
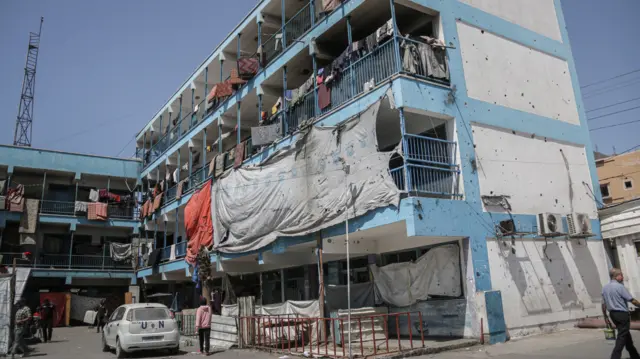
(370, 334)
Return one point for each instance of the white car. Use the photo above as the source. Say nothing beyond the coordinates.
(138, 327)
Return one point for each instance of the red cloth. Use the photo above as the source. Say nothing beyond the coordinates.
(97, 211)
(197, 222)
(239, 155)
(248, 67)
(324, 96)
(59, 300)
(222, 89)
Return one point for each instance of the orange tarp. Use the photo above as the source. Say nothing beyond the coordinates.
(197, 222)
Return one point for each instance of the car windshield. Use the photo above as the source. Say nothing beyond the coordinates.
(150, 314)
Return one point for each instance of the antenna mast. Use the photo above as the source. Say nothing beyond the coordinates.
(22, 135)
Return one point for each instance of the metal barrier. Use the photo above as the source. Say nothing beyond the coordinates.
(430, 150)
(371, 335)
(433, 180)
(58, 207)
(186, 324)
(181, 249)
(120, 211)
(300, 112)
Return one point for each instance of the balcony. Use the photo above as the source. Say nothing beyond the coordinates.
(429, 168)
(66, 208)
(65, 261)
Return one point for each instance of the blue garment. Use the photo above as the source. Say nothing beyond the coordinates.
(616, 296)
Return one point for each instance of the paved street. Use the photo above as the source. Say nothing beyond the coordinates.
(79, 342)
(578, 344)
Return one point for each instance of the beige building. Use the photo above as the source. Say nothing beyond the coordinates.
(619, 176)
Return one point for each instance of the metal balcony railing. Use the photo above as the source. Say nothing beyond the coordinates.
(57, 207)
(304, 109)
(66, 261)
(430, 150)
(181, 249)
(121, 211)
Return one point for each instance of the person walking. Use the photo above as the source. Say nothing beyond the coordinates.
(101, 316)
(615, 298)
(203, 326)
(47, 315)
(23, 316)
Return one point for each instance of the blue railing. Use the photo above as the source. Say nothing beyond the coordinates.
(304, 109)
(430, 150)
(398, 177)
(299, 24)
(66, 261)
(58, 207)
(433, 180)
(171, 194)
(165, 253)
(181, 249)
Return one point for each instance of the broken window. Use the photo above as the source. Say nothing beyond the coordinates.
(604, 189)
(628, 184)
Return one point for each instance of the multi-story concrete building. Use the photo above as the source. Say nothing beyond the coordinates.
(619, 175)
(447, 130)
(44, 205)
(479, 100)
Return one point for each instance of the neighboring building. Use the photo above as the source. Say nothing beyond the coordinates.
(68, 249)
(621, 232)
(493, 131)
(619, 177)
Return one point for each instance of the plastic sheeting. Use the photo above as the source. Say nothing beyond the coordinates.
(437, 272)
(304, 187)
(81, 304)
(197, 221)
(121, 252)
(5, 313)
(22, 275)
(362, 295)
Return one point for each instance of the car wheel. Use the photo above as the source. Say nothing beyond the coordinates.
(105, 347)
(174, 351)
(119, 352)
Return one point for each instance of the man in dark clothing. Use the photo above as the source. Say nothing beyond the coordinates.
(47, 314)
(100, 316)
(615, 298)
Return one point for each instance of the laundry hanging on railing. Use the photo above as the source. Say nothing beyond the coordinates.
(437, 272)
(120, 252)
(425, 56)
(198, 222)
(81, 207)
(94, 196)
(248, 67)
(97, 211)
(330, 5)
(157, 202)
(15, 199)
(29, 220)
(316, 161)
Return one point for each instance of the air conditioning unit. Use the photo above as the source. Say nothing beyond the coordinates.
(579, 225)
(550, 225)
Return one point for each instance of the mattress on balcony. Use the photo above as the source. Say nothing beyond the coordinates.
(304, 187)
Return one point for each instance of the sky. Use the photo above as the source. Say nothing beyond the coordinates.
(106, 67)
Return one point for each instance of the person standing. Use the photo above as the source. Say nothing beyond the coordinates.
(101, 316)
(203, 326)
(23, 316)
(48, 315)
(615, 298)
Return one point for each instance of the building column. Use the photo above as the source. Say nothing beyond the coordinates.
(260, 20)
(282, 286)
(284, 23)
(396, 45)
(161, 135)
(155, 234)
(180, 118)
(403, 132)
(164, 239)
(194, 119)
(144, 146)
(175, 228)
(71, 249)
(285, 124)
(190, 165)
(352, 78)
(203, 155)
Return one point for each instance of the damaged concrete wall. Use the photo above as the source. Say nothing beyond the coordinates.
(532, 171)
(545, 284)
(535, 15)
(506, 73)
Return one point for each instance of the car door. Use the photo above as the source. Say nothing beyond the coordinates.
(111, 328)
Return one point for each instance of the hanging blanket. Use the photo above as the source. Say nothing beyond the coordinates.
(81, 206)
(121, 252)
(239, 155)
(29, 219)
(197, 221)
(179, 189)
(15, 198)
(248, 67)
(254, 205)
(157, 201)
(93, 195)
(219, 167)
(437, 272)
(97, 211)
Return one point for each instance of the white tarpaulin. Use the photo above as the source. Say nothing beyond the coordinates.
(304, 187)
(22, 275)
(81, 304)
(437, 272)
(5, 313)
